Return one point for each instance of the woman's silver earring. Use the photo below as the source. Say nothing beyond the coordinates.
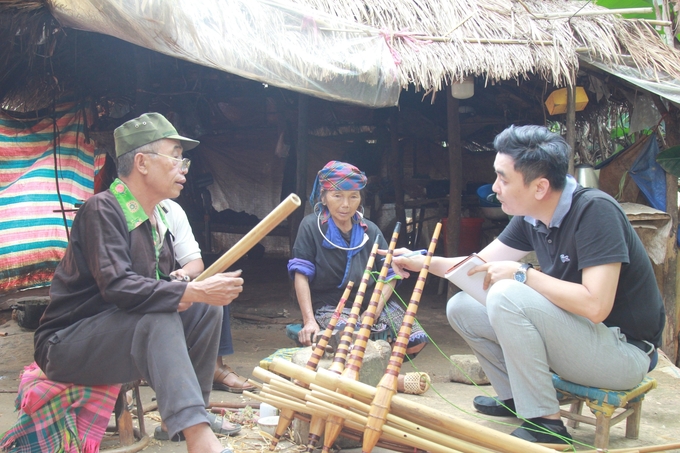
(318, 208)
(356, 219)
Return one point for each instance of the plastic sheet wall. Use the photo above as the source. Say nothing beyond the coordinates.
(33, 234)
(265, 40)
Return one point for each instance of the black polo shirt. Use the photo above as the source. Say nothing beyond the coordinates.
(595, 231)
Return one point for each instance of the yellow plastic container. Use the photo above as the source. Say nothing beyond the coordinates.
(557, 101)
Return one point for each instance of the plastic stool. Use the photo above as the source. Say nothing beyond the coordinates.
(603, 403)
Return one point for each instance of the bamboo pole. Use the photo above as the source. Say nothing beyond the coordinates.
(648, 449)
(353, 365)
(259, 231)
(317, 424)
(340, 356)
(286, 415)
(598, 12)
(403, 407)
(404, 426)
(387, 387)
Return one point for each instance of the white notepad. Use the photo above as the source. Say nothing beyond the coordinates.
(473, 285)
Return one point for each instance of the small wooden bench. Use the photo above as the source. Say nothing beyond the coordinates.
(604, 404)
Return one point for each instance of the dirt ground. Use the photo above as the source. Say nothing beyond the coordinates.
(259, 318)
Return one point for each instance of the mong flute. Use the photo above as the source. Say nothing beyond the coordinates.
(286, 415)
(387, 387)
(316, 425)
(405, 408)
(334, 422)
(259, 231)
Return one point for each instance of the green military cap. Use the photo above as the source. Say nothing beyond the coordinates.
(146, 129)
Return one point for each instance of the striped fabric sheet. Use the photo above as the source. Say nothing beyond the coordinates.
(56, 417)
(32, 235)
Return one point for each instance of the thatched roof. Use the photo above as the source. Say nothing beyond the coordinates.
(442, 40)
(428, 43)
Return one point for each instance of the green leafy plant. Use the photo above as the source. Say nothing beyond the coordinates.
(669, 159)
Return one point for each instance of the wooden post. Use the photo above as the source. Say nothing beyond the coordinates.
(668, 283)
(397, 172)
(455, 178)
(571, 119)
(301, 151)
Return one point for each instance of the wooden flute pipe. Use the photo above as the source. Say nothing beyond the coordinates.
(259, 231)
(404, 426)
(418, 413)
(394, 432)
(430, 441)
(387, 387)
(647, 449)
(316, 425)
(353, 365)
(286, 415)
(356, 357)
(340, 356)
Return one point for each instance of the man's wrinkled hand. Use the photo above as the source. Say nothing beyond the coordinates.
(220, 289)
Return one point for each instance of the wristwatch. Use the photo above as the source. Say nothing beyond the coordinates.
(521, 273)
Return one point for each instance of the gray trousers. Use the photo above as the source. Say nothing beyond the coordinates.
(174, 352)
(520, 336)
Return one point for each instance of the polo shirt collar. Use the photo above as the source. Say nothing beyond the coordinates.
(134, 214)
(563, 205)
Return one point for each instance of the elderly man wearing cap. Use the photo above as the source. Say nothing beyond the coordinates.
(114, 315)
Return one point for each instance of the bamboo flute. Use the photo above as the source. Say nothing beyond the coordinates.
(340, 356)
(430, 441)
(351, 371)
(412, 411)
(648, 449)
(404, 426)
(286, 415)
(259, 231)
(317, 424)
(387, 386)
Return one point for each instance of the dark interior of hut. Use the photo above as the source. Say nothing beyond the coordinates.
(119, 80)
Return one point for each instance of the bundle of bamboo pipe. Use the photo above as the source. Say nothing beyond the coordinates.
(413, 421)
(317, 424)
(351, 372)
(387, 387)
(286, 415)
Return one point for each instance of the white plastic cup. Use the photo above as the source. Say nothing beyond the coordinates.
(267, 410)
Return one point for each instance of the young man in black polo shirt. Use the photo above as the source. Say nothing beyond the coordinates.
(593, 313)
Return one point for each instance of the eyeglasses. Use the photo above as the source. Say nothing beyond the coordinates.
(186, 162)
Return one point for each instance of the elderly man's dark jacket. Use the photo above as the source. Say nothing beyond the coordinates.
(107, 264)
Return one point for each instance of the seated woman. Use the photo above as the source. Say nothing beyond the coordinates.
(332, 247)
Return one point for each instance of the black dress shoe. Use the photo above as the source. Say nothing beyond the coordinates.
(543, 431)
(493, 407)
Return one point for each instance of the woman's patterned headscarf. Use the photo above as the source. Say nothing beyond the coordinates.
(336, 175)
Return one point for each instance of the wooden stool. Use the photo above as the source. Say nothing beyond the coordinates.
(129, 438)
(603, 403)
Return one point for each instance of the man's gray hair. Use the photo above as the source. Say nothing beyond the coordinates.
(125, 162)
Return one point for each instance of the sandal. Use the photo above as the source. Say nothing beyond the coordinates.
(416, 383)
(222, 373)
(161, 434)
(217, 428)
(215, 425)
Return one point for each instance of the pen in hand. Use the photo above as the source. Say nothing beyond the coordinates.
(410, 254)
